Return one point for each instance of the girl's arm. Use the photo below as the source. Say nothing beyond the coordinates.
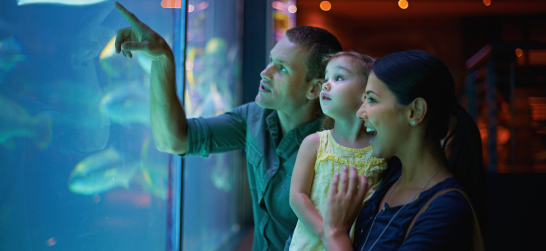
(302, 181)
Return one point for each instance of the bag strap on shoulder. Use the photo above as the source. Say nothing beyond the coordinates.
(477, 240)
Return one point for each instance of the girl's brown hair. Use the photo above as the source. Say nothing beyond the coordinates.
(362, 62)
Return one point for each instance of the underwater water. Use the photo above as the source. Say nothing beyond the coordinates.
(79, 169)
(78, 166)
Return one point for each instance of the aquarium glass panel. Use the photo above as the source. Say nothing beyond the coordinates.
(78, 165)
(212, 185)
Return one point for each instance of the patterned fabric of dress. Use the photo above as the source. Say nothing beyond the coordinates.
(331, 157)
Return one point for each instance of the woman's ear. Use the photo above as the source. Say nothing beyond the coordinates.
(315, 88)
(417, 111)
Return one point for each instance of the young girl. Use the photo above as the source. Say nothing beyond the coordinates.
(324, 153)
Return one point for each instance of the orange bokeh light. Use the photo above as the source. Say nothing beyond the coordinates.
(171, 4)
(487, 2)
(325, 5)
(403, 4)
(519, 52)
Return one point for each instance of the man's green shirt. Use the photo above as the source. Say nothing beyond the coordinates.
(270, 161)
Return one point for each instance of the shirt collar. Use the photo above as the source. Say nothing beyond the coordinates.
(303, 131)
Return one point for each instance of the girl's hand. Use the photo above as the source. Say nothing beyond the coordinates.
(343, 206)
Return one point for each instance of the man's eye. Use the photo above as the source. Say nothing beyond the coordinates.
(339, 78)
(283, 69)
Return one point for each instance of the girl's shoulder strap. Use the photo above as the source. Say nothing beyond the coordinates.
(477, 240)
(324, 136)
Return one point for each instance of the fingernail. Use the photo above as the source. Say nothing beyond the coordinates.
(336, 174)
(344, 168)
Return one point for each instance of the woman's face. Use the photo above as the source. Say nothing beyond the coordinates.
(383, 113)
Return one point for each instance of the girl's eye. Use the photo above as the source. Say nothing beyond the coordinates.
(339, 78)
(371, 100)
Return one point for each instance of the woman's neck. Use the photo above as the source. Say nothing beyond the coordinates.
(420, 161)
(350, 132)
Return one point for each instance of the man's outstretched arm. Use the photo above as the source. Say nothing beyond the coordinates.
(168, 119)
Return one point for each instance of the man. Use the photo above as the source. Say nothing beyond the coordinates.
(270, 130)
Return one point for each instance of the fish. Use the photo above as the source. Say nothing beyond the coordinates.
(15, 122)
(154, 174)
(101, 172)
(108, 50)
(11, 53)
(63, 2)
(127, 105)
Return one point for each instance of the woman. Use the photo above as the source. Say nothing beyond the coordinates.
(408, 102)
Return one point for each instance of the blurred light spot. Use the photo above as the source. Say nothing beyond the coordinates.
(189, 66)
(519, 52)
(190, 8)
(538, 108)
(487, 2)
(51, 242)
(202, 6)
(292, 9)
(109, 49)
(403, 4)
(0, 45)
(189, 36)
(325, 5)
(143, 200)
(278, 5)
(65, 2)
(172, 4)
(96, 198)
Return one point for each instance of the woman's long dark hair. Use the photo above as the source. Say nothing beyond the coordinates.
(413, 74)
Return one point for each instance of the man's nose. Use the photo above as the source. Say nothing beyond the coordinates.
(266, 73)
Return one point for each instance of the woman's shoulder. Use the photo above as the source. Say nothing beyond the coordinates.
(447, 197)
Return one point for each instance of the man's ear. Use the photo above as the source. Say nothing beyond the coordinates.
(417, 111)
(315, 88)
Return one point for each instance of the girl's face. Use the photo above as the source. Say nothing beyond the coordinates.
(342, 91)
(381, 111)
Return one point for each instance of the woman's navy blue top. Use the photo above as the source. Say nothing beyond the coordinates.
(446, 225)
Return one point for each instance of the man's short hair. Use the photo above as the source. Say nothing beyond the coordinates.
(320, 43)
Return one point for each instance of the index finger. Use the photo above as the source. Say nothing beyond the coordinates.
(133, 20)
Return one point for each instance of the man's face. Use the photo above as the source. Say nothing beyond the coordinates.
(283, 85)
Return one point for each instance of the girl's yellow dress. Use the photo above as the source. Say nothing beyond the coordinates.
(331, 158)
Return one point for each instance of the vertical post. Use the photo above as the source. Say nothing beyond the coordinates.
(255, 52)
(491, 89)
(181, 27)
(512, 112)
(471, 96)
